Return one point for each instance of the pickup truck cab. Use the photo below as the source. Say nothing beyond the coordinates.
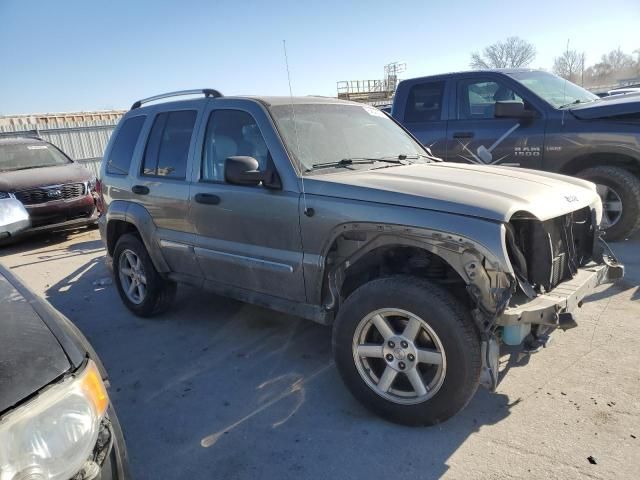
(331, 211)
(532, 119)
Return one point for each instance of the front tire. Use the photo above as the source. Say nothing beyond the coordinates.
(139, 284)
(407, 350)
(619, 190)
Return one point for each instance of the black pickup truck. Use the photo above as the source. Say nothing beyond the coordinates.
(532, 119)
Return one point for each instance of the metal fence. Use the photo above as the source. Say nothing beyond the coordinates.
(83, 136)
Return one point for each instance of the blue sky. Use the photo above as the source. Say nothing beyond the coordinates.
(72, 55)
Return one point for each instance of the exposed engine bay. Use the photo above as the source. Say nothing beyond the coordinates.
(547, 253)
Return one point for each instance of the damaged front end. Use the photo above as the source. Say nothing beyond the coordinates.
(556, 264)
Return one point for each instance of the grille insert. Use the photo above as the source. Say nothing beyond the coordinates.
(35, 196)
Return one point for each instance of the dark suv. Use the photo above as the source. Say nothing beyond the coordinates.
(332, 211)
(57, 192)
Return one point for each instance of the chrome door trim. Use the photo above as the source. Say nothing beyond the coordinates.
(242, 260)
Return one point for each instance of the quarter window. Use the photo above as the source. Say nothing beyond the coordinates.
(168, 145)
(120, 155)
(231, 133)
(424, 103)
(477, 100)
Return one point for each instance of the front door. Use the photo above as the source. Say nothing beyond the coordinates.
(475, 135)
(245, 236)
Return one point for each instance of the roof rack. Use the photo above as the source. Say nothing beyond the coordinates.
(208, 92)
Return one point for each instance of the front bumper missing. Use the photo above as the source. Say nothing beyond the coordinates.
(566, 297)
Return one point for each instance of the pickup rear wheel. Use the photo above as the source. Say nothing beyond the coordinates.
(619, 191)
(140, 287)
(407, 350)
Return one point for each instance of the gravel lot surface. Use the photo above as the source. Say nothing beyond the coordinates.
(219, 389)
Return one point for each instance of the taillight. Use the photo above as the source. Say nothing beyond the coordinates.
(100, 198)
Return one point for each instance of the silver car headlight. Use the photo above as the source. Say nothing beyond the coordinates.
(51, 436)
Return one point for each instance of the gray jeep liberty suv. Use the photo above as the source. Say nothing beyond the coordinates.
(330, 210)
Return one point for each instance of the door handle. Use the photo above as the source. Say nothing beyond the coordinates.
(207, 198)
(140, 189)
(463, 135)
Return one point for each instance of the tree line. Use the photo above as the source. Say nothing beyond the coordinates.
(571, 64)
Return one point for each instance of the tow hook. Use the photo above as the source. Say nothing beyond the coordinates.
(566, 321)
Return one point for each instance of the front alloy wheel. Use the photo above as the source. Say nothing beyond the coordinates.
(611, 205)
(407, 349)
(399, 356)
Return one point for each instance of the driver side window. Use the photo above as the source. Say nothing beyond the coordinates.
(230, 133)
(477, 99)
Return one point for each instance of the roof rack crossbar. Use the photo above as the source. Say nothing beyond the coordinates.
(208, 92)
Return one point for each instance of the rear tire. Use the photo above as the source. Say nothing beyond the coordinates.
(139, 284)
(617, 186)
(444, 328)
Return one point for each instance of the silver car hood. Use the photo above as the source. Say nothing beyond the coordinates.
(489, 192)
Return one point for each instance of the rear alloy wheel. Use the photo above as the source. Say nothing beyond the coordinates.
(140, 286)
(619, 191)
(407, 349)
(132, 276)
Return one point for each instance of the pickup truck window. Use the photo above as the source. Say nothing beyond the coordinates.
(555, 90)
(168, 144)
(424, 102)
(323, 133)
(477, 99)
(230, 133)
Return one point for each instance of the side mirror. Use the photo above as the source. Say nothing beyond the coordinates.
(245, 171)
(512, 109)
(13, 217)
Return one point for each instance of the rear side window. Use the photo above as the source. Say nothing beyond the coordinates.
(123, 146)
(424, 103)
(168, 144)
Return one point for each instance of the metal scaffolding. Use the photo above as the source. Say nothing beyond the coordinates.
(373, 92)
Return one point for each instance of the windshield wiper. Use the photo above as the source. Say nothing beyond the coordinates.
(575, 102)
(358, 160)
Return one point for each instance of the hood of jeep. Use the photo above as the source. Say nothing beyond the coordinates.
(613, 106)
(490, 192)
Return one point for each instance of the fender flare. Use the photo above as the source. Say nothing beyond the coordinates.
(141, 219)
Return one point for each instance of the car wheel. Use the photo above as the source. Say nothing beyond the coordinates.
(408, 350)
(619, 190)
(141, 288)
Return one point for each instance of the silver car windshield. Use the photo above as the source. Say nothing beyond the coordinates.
(353, 136)
(555, 90)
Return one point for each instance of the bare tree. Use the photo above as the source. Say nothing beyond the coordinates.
(512, 53)
(569, 65)
(612, 66)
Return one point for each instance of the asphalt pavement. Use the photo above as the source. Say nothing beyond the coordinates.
(216, 388)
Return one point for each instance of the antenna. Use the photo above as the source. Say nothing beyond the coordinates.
(307, 211)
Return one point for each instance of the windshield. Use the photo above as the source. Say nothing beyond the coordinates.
(328, 133)
(555, 90)
(21, 156)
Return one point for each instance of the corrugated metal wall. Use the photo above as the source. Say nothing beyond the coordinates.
(83, 136)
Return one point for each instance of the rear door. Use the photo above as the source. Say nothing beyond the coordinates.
(160, 183)
(247, 237)
(475, 135)
(424, 112)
